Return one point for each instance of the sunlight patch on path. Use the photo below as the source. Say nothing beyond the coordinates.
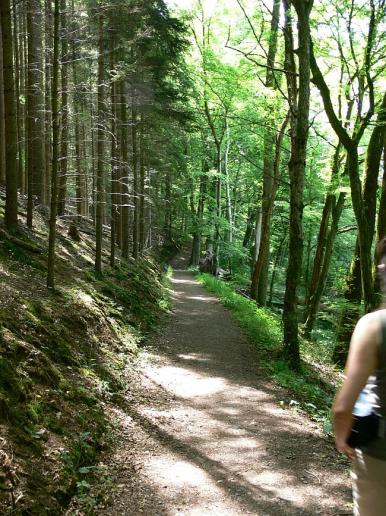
(222, 444)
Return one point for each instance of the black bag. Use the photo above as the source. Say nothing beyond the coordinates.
(364, 430)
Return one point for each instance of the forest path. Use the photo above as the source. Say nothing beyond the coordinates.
(204, 433)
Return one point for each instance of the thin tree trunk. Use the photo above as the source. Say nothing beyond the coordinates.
(114, 164)
(22, 147)
(227, 183)
(17, 92)
(24, 70)
(263, 254)
(62, 191)
(86, 204)
(351, 311)
(100, 152)
(134, 140)
(317, 293)
(124, 175)
(277, 261)
(79, 180)
(142, 173)
(2, 128)
(381, 224)
(48, 95)
(323, 230)
(256, 247)
(260, 275)
(168, 207)
(249, 229)
(55, 151)
(35, 108)
(199, 216)
(11, 209)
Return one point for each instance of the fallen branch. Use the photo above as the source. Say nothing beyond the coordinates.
(21, 243)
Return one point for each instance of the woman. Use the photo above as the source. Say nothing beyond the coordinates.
(367, 357)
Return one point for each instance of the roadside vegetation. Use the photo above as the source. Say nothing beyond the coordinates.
(64, 357)
(312, 386)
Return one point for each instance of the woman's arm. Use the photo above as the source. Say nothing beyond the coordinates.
(361, 363)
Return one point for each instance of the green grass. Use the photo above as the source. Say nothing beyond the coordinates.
(308, 390)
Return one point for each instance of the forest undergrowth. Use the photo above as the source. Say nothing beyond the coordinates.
(312, 387)
(64, 357)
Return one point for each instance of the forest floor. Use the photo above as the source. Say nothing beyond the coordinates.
(203, 432)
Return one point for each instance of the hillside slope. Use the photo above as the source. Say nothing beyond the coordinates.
(63, 356)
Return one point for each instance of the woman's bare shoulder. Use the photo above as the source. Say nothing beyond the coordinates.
(370, 324)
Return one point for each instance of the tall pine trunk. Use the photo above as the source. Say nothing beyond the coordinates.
(55, 151)
(9, 117)
(48, 95)
(35, 108)
(19, 109)
(100, 152)
(2, 128)
(62, 189)
(141, 193)
(124, 175)
(134, 143)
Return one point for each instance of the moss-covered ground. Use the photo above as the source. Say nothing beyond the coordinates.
(63, 357)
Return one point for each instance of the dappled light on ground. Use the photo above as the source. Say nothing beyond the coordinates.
(220, 443)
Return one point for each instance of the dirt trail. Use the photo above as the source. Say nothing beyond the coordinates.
(204, 433)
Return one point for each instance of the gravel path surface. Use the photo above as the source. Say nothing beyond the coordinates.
(204, 432)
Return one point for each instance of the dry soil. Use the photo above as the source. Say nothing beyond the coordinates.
(204, 432)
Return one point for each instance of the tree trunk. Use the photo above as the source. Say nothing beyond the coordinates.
(256, 247)
(350, 313)
(79, 172)
(48, 95)
(278, 259)
(134, 140)
(124, 174)
(114, 162)
(2, 128)
(100, 151)
(354, 291)
(199, 217)
(296, 166)
(263, 255)
(9, 117)
(19, 115)
(381, 225)
(260, 275)
(35, 108)
(168, 207)
(227, 184)
(319, 286)
(55, 152)
(141, 192)
(323, 231)
(351, 145)
(249, 229)
(62, 191)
